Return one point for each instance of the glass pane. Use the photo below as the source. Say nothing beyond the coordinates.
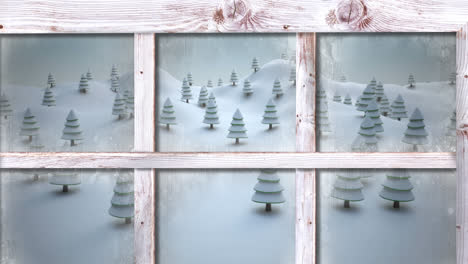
(66, 92)
(226, 216)
(386, 92)
(66, 216)
(226, 92)
(380, 216)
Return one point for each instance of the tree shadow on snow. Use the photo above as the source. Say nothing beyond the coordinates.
(260, 210)
(353, 209)
(404, 208)
(119, 224)
(71, 191)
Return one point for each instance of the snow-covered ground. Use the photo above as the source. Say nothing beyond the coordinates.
(436, 100)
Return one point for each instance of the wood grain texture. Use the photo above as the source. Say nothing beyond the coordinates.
(145, 210)
(87, 16)
(306, 208)
(462, 146)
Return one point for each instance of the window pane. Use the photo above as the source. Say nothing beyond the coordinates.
(394, 216)
(404, 83)
(221, 216)
(226, 92)
(66, 92)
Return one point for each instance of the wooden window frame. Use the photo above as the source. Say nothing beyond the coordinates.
(146, 18)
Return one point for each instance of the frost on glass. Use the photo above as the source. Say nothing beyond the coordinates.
(386, 216)
(66, 93)
(226, 216)
(403, 83)
(66, 216)
(226, 92)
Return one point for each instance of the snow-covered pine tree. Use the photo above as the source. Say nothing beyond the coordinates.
(167, 115)
(119, 107)
(384, 106)
(49, 97)
(269, 117)
(234, 78)
(397, 188)
(373, 84)
(189, 79)
(347, 100)
(452, 78)
(411, 81)
(51, 80)
(125, 94)
(5, 107)
(209, 84)
(211, 114)
(277, 88)
(220, 82)
(203, 97)
(337, 97)
(348, 187)
(84, 86)
(30, 127)
(186, 91)
(367, 96)
(366, 140)
(452, 125)
(343, 79)
(65, 178)
(373, 112)
(115, 85)
(247, 87)
(322, 118)
(212, 97)
(89, 76)
(114, 73)
(237, 129)
(255, 65)
(284, 56)
(268, 189)
(72, 130)
(130, 103)
(357, 102)
(322, 96)
(292, 75)
(416, 133)
(379, 91)
(398, 108)
(122, 203)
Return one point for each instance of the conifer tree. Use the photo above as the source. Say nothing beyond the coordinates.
(343, 79)
(255, 65)
(211, 114)
(189, 79)
(115, 85)
(397, 188)
(348, 188)
(234, 78)
(130, 103)
(186, 91)
(212, 97)
(373, 84)
(237, 129)
(167, 115)
(114, 73)
(416, 133)
(379, 91)
(30, 127)
(89, 76)
(292, 75)
(50, 80)
(220, 82)
(203, 97)
(452, 125)
(84, 87)
(322, 97)
(374, 114)
(356, 104)
(49, 97)
(322, 118)
(119, 107)
(209, 84)
(384, 106)
(277, 88)
(65, 178)
(247, 88)
(5, 107)
(72, 130)
(398, 108)
(347, 100)
(411, 81)
(452, 78)
(337, 97)
(366, 141)
(268, 189)
(270, 117)
(284, 56)
(122, 203)
(367, 96)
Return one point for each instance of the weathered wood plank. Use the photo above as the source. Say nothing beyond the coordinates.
(144, 133)
(87, 16)
(306, 210)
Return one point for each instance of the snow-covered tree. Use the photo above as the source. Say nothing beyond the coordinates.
(452, 78)
(212, 97)
(366, 140)
(30, 127)
(348, 187)
(322, 96)
(384, 106)
(374, 114)
(398, 108)
(379, 91)
(130, 103)
(416, 133)
(65, 178)
(411, 81)
(237, 129)
(269, 117)
(114, 73)
(89, 76)
(367, 96)
(343, 79)
(292, 75)
(220, 82)
(203, 97)
(50, 80)
(49, 97)
(122, 203)
(322, 118)
(167, 115)
(5, 107)
(234, 78)
(373, 84)
(277, 88)
(284, 56)
(452, 125)
(209, 84)
(115, 85)
(84, 86)
(397, 188)
(268, 189)
(255, 65)
(186, 91)
(211, 114)
(72, 130)
(189, 79)
(347, 100)
(357, 102)
(337, 97)
(247, 87)
(119, 107)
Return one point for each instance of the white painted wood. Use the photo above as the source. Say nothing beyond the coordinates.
(306, 207)
(145, 204)
(88, 16)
